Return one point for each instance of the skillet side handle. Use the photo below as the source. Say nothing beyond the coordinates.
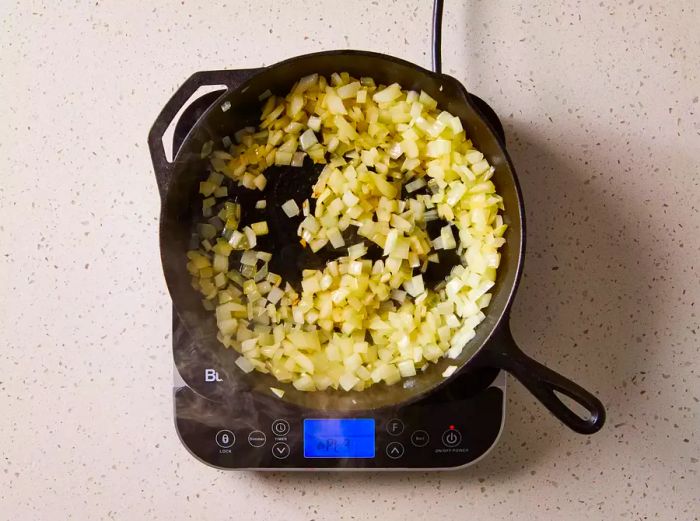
(163, 168)
(542, 382)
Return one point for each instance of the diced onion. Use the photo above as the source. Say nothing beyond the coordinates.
(244, 364)
(314, 123)
(298, 159)
(249, 258)
(335, 237)
(357, 250)
(307, 139)
(250, 236)
(275, 295)
(291, 208)
(260, 228)
(390, 93)
(415, 185)
(260, 182)
(362, 318)
(449, 371)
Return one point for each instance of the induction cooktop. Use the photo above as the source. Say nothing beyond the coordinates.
(232, 427)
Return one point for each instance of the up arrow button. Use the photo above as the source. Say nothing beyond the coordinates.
(394, 450)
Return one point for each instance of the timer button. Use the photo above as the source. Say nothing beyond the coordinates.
(394, 427)
(280, 427)
(394, 450)
(451, 438)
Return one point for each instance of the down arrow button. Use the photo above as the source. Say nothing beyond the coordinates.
(280, 450)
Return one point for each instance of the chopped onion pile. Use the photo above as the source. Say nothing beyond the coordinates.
(355, 322)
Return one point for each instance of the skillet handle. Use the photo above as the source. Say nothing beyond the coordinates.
(542, 382)
(230, 78)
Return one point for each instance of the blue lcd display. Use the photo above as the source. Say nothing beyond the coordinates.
(339, 438)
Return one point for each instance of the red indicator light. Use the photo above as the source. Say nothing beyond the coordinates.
(452, 427)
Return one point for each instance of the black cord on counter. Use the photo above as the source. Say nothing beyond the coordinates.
(437, 36)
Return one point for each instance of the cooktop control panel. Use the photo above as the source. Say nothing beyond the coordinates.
(444, 430)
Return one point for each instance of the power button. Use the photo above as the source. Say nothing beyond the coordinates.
(451, 438)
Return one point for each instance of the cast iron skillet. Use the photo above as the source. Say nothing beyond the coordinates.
(178, 183)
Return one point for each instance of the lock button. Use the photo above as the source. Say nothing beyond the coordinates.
(225, 439)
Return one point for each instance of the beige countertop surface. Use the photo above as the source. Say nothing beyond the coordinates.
(600, 104)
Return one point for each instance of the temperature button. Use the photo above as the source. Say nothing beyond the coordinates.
(280, 427)
(225, 439)
(451, 438)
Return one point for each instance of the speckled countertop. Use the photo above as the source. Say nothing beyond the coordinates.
(600, 104)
